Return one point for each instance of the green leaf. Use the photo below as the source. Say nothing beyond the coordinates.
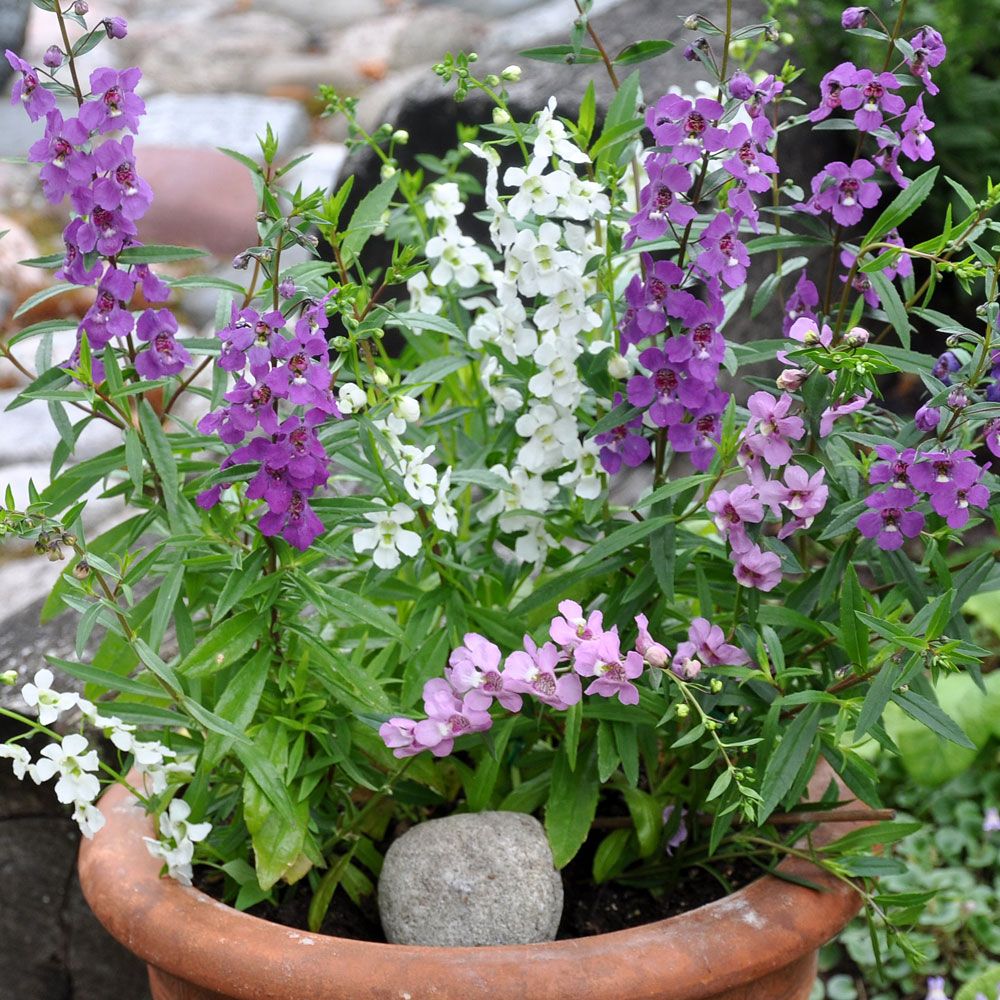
(893, 306)
(639, 52)
(39, 297)
(878, 834)
(105, 678)
(359, 609)
(902, 206)
(588, 115)
(158, 253)
(621, 414)
(238, 703)
(224, 645)
(571, 807)
(323, 895)
(163, 609)
(607, 752)
(571, 734)
(647, 816)
(610, 854)
(479, 788)
(278, 837)
(162, 457)
(621, 539)
(925, 711)
(367, 217)
(877, 697)
(624, 108)
(54, 378)
(561, 54)
(853, 631)
(787, 760)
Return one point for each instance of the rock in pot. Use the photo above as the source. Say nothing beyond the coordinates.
(473, 879)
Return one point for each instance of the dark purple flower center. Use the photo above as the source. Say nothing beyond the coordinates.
(545, 684)
(299, 440)
(695, 124)
(849, 187)
(891, 517)
(657, 289)
(663, 200)
(164, 343)
(297, 505)
(458, 723)
(263, 332)
(747, 154)
(125, 176)
(615, 672)
(702, 335)
(298, 364)
(113, 100)
(492, 682)
(705, 424)
(726, 245)
(106, 302)
(61, 148)
(665, 380)
(104, 220)
(260, 396)
(874, 93)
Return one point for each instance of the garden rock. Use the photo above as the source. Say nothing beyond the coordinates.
(473, 879)
(13, 22)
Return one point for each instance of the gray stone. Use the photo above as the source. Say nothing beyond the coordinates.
(473, 879)
(13, 22)
(231, 120)
(326, 15)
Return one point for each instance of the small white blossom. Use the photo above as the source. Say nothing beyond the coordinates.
(406, 408)
(422, 300)
(584, 200)
(552, 435)
(88, 818)
(351, 398)
(444, 202)
(19, 758)
(537, 192)
(154, 762)
(459, 259)
(175, 846)
(72, 760)
(586, 477)
(539, 265)
(419, 478)
(505, 397)
(523, 492)
(552, 138)
(120, 733)
(503, 230)
(505, 326)
(568, 312)
(50, 704)
(388, 537)
(444, 515)
(534, 546)
(557, 378)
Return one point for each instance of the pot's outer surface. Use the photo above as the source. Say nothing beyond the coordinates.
(757, 944)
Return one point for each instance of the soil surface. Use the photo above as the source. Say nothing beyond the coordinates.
(589, 908)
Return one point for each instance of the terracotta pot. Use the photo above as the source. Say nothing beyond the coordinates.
(758, 944)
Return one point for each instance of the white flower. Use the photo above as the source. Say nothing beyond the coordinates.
(88, 818)
(388, 538)
(444, 515)
(504, 326)
(419, 478)
(406, 408)
(19, 758)
(72, 760)
(584, 200)
(175, 846)
(459, 259)
(150, 758)
(568, 312)
(524, 492)
(120, 733)
(505, 397)
(552, 434)
(421, 300)
(534, 546)
(536, 191)
(538, 264)
(444, 201)
(557, 378)
(552, 138)
(351, 398)
(174, 824)
(502, 226)
(51, 704)
(177, 858)
(585, 478)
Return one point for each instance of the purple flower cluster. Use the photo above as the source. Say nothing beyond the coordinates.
(951, 481)
(579, 648)
(273, 370)
(108, 197)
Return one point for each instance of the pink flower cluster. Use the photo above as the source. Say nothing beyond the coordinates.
(580, 648)
(108, 197)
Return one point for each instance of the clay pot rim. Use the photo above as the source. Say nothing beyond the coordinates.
(753, 932)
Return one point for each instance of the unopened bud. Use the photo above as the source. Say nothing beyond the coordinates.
(387, 171)
(492, 80)
(81, 570)
(711, 725)
(856, 337)
(731, 718)
(380, 378)
(791, 379)
(53, 57)
(657, 656)
(81, 8)
(927, 418)
(715, 685)
(240, 261)
(683, 711)
(8, 678)
(771, 33)
(691, 22)
(854, 17)
(401, 136)
(406, 408)
(116, 27)
(619, 366)
(957, 399)
(501, 117)
(340, 343)
(511, 73)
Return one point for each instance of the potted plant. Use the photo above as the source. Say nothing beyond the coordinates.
(359, 587)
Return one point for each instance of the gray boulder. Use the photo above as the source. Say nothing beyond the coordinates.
(473, 879)
(13, 22)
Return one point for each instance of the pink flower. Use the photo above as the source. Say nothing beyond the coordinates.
(448, 718)
(845, 191)
(533, 671)
(770, 426)
(733, 509)
(708, 643)
(832, 413)
(572, 627)
(397, 734)
(474, 671)
(613, 674)
(653, 652)
(758, 569)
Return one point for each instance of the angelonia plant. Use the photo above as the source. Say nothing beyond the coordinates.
(552, 543)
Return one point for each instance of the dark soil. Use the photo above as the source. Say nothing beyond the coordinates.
(589, 908)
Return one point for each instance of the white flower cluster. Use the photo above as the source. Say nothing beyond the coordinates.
(175, 846)
(387, 539)
(75, 762)
(538, 311)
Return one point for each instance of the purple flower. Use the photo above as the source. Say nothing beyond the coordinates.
(928, 51)
(303, 374)
(286, 288)
(164, 356)
(835, 412)
(107, 232)
(37, 101)
(571, 626)
(700, 436)
(991, 820)
(953, 502)
(613, 673)
(297, 524)
(889, 522)
(894, 469)
(749, 164)
(869, 96)
(702, 348)
(120, 187)
(936, 989)
(109, 316)
(945, 366)
(831, 87)
(474, 671)
(668, 392)
(887, 159)
(659, 295)
(723, 253)
(74, 267)
(845, 191)
(991, 436)
(659, 205)
(53, 57)
(854, 17)
(940, 470)
(653, 652)
(116, 27)
(680, 834)
(801, 305)
(533, 671)
(915, 127)
(65, 165)
(708, 643)
(448, 718)
(770, 426)
(802, 495)
(622, 445)
(741, 87)
(397, 734)
(733, 510)
(686, 126)
(115, 105)
(757, 569)
(927, 418)
(154, 288)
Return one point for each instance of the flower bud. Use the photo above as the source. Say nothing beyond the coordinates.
(340, 343)
(791, 379)
(511, 73)
(380, 378)
(401, 136)
(811, 337)
(772, 34)
(387, 171)
(715, 685)
(53, 57)
(683, 711)
(854, 17)
(8, 678)
(116, 27)
(619, 366)
(690, 53)
(957, 399)
(406, 408)
(741, 86)
(500, 116)
(351, 398)
(657, 656)
(492, 80)
(856, 337)
(81, 570)
(81, 8)
(691, 22)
